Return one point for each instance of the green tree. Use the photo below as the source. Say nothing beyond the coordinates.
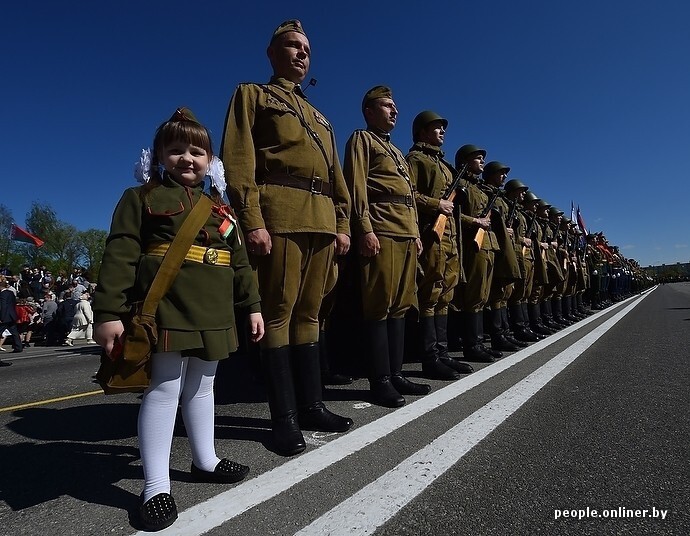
(5, 223)
(93, 245)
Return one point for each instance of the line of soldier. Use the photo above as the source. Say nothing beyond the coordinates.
(469, 253)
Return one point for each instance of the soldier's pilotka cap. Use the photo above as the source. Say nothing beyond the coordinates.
(292, 25)
(376, 92)
(183, 114)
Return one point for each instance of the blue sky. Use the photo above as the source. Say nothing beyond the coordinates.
(587, 101)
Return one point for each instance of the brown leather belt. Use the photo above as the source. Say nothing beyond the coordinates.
(407, 200)
(316, 185)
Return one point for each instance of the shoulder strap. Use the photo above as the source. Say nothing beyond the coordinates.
(306, 126)
(172, 261)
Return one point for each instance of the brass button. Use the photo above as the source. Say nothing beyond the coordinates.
(211, 256)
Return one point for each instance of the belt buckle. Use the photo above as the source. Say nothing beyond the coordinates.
(312, 186)
(211, 256)
(408, 201)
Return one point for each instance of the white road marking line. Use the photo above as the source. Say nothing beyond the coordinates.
(376, 503)
(217, 510)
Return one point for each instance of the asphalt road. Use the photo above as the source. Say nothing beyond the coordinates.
(582, 433)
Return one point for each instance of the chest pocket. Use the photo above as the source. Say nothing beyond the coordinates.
(164, 209)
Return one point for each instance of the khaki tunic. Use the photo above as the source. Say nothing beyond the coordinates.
(196, 316)
(374, 166)
(266, 139)
(553, 266)
(506, 267)
(477, 265)
(439, 262)
(523, 287)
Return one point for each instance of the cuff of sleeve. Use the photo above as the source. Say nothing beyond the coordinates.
(364, 225)
(254, 308)
(251, 219)
(343, 227)
(106, 317)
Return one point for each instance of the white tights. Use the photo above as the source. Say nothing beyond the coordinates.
(189, 382)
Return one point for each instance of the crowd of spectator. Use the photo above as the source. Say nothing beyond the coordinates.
(51, 310)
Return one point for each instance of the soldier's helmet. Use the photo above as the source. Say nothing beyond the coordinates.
(464, 152)
(553, 211)
(495, 167)
(543, 204)
(515, 184)
(423, 119)
(531, 197)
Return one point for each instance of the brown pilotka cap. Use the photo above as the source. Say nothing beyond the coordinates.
(376, 92)
(292, 25)
(183, 114)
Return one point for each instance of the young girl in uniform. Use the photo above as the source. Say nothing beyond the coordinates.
(196, 323)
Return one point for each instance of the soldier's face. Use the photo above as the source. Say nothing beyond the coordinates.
(290, 56)
(433, 133)
(477, 163)
(381, 114)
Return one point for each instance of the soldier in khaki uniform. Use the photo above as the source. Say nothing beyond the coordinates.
(384, 227)
(478, 256)
(506, 267)
(522, 230)
(439, 262)
(541, 271)
(292, 202)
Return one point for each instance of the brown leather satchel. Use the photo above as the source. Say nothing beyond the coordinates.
(129, 371)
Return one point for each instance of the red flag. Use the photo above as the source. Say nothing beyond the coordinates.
(20, 235)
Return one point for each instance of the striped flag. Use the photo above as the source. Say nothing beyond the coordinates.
(21, 235)
(581, 222)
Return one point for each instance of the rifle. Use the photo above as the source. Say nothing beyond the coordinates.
(529, 233)
(479, 237)
(449, 195)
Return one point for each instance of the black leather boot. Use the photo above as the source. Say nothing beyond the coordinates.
(536, 323)
(454, 330)
(328, 377)
(557, 312)
(432, 366)
(286, 434)
(382, 391)
(441, 323)
(312, 413)
(498, 339)
(547, 317)
(396, 351)
(507, 333)
(473, 350)
(517, 324)
(524, 306)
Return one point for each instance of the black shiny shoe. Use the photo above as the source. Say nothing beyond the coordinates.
(158, 513)
(287, 437)
(407, 387)
(317, 417)
(226, 472)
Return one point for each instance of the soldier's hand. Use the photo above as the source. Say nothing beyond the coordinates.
(510, 231)
(484, 223)
(445, 207)
(342, 244)
(527, 242)
(259, 242)
(420, 247)
(370, 245)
